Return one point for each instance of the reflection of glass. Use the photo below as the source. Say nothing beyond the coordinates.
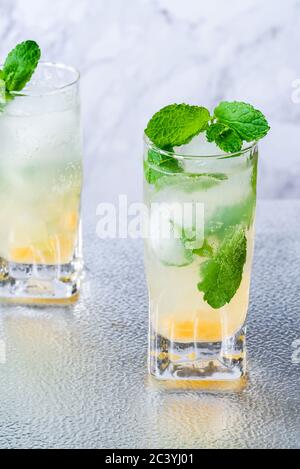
(40, 188)
(191, 337)
(191, 419)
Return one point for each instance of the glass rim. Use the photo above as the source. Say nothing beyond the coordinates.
(182, 156)
(59, 89)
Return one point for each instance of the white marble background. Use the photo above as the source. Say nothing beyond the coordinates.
(138, 55)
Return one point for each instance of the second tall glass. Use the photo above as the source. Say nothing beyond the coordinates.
(40, 189)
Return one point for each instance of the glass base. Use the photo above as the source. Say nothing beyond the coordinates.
(40, 284)
(201, 361)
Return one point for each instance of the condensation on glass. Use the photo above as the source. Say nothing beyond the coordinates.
(40, 189)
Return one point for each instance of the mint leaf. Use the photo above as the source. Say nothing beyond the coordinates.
(249, 123)
(205, 251)
(20, 64)
(226, 139)
(158, 164)
(214, 130)
(176, 125)
(222, 275)
(229, 141)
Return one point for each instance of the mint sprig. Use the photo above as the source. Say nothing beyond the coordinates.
(231, 124)
(18, 68)
(176, 125)
(222, 274)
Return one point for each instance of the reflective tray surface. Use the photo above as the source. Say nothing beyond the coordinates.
(76, 377)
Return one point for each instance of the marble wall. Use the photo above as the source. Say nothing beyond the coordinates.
(138, 55)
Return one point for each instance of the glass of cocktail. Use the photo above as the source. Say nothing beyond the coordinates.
(198, 256)
(40, 188)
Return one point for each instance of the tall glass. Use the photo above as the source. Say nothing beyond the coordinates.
(199, 274)
(40, 189)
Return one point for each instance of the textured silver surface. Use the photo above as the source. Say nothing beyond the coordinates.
(76, 377)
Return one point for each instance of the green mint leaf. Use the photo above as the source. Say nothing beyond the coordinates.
(20, 64)
(226, 139)
(176, 125)
(157, 164)
(229, 141)
(205, 251)
(214, 130)
(222, 275)
(248, 122)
